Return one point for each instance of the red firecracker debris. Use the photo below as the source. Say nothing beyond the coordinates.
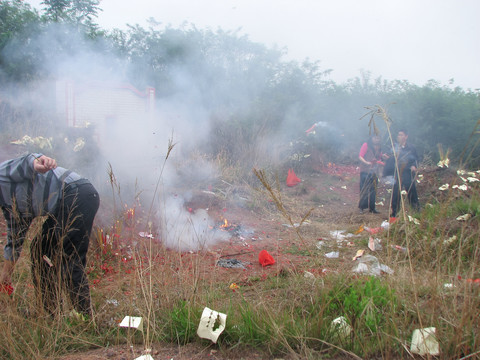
(6, 288)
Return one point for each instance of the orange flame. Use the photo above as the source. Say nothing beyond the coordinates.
(225, 223)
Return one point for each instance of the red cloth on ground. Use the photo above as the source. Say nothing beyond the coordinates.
(265, 258)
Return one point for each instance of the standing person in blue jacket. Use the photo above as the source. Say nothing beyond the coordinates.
(405, 173)
(32, 186)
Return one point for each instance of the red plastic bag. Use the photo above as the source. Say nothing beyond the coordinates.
(292, 178)
(265, 258)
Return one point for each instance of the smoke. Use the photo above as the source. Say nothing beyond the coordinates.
(259, 108)
(131, 143)
(188, 230)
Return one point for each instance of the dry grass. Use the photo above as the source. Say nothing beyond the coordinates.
(277, 310)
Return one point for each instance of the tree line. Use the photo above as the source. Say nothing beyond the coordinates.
(252, 94)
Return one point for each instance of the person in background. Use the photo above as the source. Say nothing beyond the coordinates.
(405, 173)
(370, 157)
(32, 186)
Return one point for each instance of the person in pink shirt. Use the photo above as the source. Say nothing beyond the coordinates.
(370, 157)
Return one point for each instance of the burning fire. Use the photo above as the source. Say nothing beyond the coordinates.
(225, 224)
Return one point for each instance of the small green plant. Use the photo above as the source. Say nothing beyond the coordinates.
(367, 304)
(182, 323)
(468, 206)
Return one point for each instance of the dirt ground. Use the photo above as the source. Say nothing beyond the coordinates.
(330, 199)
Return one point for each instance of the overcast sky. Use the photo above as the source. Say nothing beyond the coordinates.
(414, 40)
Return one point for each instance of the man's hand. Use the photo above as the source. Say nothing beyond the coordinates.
(43, 164)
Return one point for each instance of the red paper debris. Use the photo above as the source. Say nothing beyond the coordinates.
(6, 288)
(265, 258)
(311, 128)
(292, 178)
(373, 230)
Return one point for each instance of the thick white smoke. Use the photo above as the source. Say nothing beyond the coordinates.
(185, 230)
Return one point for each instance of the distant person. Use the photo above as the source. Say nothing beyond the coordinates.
(370, 157)
(405, 173)
(32, 186)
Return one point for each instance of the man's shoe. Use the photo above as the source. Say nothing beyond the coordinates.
(374, 211)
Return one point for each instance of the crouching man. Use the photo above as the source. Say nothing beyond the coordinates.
(32, 186)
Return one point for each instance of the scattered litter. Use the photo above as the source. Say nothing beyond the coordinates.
(450, 240)
(147, 355)
(373, 230)
(374, 244)
(265, 258)
(444, 187)
(344, 187)
(404, 192)
(295, 225)
(424, 342)
(233, 286)
(385, 225)
(47, 260)
(461, 187)
(339, 234)
(448, 286)
(472, 179)
(132, 322)
(341, 327)
(211, 324)
(398, 247)
(231, 263)
(79, 144)
(359, 230)
(113, 302)
(414, 220)
(145, 235)
(369, 265)
(320, 244)
(443, 163)
(144, 357)
(40, 141)
(308, 275)
(386, 269)
(380, 203)
(464, 217)
(332, 255)
(358, 254)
